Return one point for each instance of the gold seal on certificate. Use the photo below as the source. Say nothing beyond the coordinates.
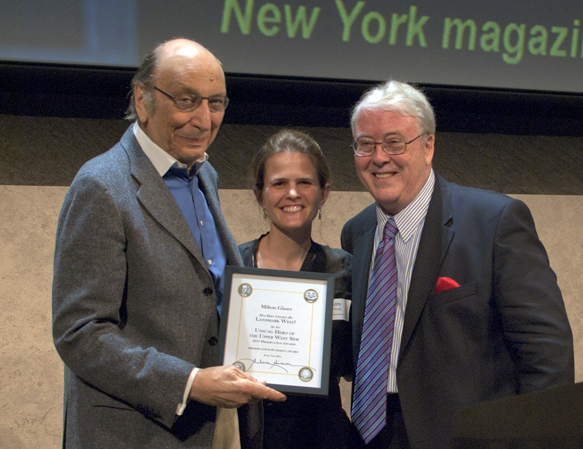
(245, 290)
(306, 374)
(311, 295)
(276, 325)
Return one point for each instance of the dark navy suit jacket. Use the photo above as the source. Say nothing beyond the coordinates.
(503, 331)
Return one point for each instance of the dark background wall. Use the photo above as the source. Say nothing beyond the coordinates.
(511, 141)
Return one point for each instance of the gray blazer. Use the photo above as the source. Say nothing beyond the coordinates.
(134, 306)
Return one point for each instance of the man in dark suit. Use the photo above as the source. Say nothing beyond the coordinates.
(138, 274)
(477, 313)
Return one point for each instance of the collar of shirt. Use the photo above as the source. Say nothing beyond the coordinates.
(409, 218)
(161, 160)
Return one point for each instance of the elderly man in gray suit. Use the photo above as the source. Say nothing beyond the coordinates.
(138, 273)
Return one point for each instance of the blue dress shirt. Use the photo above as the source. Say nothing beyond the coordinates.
(185, 188)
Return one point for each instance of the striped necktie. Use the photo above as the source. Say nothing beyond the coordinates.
(372, 371)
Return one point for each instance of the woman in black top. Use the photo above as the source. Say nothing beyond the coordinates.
(291, 183)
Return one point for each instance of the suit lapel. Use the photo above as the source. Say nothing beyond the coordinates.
(155, 196)
(435, 240)
(361, 268)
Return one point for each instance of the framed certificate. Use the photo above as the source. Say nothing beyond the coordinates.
(277, 326)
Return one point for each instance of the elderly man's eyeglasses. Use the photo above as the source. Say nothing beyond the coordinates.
(190, 102)
(393, 145)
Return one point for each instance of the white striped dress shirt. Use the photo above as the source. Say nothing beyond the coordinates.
(410, 224)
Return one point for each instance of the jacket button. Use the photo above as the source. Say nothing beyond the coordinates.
(213, 341)
(208, 291)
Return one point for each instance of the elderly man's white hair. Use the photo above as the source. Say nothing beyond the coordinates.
(398, 97)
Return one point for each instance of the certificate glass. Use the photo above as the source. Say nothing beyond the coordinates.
(277, 325)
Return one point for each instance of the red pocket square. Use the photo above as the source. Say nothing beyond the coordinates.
(444, 284)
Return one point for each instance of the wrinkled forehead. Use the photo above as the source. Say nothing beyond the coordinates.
(181, 60)
(383, 119)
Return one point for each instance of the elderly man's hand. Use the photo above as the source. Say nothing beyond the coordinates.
(229, 387)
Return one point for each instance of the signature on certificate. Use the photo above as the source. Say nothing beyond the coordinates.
(283, 366)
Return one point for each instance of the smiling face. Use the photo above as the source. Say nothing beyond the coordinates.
(394, 181)
(291, 195)
(184, 67)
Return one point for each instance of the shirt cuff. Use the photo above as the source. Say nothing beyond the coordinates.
(180, 407)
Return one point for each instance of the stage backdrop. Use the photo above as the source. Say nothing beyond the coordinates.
(516, 44)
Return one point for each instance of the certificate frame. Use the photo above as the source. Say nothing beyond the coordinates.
(276, 326)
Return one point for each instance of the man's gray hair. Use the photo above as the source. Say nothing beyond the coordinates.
(398, 97)
(144, 76)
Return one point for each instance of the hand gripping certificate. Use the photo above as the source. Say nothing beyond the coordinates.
(276, 326)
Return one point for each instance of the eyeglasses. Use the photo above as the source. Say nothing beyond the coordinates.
(190, 102)
(392, 145)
